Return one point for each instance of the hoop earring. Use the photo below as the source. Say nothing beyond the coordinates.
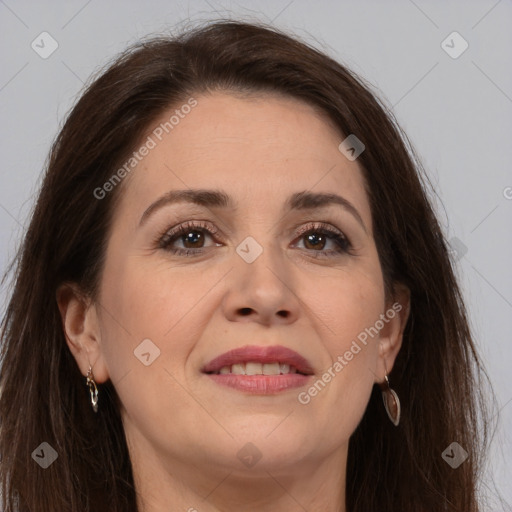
(391, 402)
(93, 389)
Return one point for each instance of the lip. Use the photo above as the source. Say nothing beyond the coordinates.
(260, 354)
(260, 384)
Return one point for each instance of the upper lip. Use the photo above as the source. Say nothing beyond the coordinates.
(260, 354)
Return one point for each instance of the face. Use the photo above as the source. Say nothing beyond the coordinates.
(275, 264)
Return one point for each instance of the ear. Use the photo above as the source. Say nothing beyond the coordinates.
(390, 340)
(82, 330)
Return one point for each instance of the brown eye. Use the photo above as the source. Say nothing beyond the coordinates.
(315, 240)
(191, 235)
(318, 237)
(194, 238)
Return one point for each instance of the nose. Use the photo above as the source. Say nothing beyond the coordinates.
(261, 290)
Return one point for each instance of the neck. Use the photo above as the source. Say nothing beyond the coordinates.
(197, 486)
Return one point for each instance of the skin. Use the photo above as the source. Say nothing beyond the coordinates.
(183, 430)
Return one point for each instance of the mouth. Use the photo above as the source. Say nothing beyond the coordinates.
(256, 368)
(262, 370)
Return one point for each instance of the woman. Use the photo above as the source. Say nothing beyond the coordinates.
(234, 294)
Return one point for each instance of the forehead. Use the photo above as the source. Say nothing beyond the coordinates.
(262, 147)
(267, 126)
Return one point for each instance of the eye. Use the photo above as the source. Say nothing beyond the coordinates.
(191, 234)
(317, 236)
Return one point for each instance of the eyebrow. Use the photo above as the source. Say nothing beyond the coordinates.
(304, 200)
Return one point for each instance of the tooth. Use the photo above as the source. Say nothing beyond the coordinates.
(253, 369)
(238, 369)
(225, 369)
(284, 368)
(271, 369)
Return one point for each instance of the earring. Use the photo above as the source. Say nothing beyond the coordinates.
(93, 389)
(391, 402)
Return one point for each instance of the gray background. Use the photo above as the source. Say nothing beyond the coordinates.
(456, 111)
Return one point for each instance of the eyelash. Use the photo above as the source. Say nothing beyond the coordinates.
(170, 236)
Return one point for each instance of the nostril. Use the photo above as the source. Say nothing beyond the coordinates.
(245, 311)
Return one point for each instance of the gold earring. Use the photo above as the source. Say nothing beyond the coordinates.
(391, 402)
(93, 389)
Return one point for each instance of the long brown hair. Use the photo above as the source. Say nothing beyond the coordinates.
(437, 374)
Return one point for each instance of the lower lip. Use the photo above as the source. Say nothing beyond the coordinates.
(261, 384)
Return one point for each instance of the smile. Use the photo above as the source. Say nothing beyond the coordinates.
(260, 369)
(255, 368)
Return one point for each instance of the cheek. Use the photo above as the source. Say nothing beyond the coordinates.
(160, 303)
(157, 311)
(347, 310)
(345, 303)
